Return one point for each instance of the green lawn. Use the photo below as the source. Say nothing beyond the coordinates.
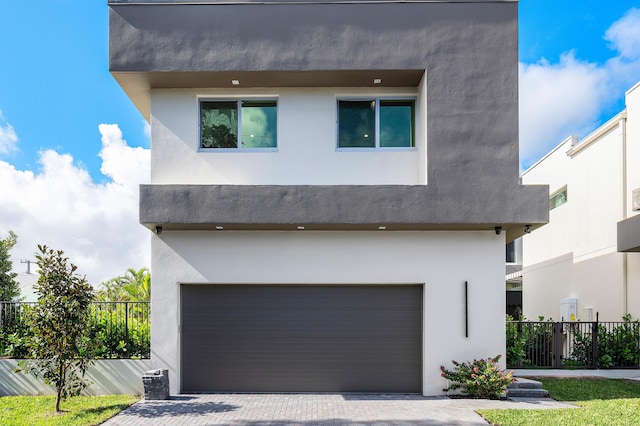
(602, 401)
(82, 410)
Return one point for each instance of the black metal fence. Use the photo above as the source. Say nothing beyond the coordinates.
(120, 330)
(543, 344)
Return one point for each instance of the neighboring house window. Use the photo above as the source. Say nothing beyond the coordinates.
(376, 123)
(511, 252)
(635, 200)
(558, 198)
(238, 124)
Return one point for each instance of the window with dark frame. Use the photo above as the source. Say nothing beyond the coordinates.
(238, 124)
(376, 123)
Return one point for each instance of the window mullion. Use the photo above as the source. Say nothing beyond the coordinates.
(377, 124)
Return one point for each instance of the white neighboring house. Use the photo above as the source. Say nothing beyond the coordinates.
(327, 178)
(589, 251)
(26, 281)
(27, 278)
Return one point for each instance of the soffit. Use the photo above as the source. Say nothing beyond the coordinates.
(138, 85)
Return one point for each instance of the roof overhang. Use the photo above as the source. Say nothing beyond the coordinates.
(629, 234)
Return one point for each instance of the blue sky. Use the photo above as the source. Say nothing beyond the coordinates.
(550, 27)
(576, 59)
(55, 87)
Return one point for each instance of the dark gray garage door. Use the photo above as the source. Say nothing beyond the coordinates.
(267, 338)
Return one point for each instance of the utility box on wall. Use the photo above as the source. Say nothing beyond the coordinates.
(569, 309)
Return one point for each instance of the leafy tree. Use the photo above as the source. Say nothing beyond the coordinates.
(9, 288)
(59, 346)
(133, 286)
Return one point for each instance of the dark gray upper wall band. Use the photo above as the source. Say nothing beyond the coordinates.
(269, 37)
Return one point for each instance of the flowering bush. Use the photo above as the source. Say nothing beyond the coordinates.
(478, 379)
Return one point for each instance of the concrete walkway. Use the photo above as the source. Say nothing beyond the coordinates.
(629, 374)
(315, 409)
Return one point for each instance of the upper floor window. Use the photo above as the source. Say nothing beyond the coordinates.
(376, 123)
(238, 124)
(558, 198)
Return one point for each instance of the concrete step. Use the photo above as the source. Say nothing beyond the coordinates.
(522, 383)
(526, 388)
(527, 393)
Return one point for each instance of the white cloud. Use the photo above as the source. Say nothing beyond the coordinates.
(624, 35)
(556, 101)
(568, 97)
(8, 137)
(96, 224)
(123, 164)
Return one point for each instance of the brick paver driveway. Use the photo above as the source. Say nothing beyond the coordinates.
(314, 409)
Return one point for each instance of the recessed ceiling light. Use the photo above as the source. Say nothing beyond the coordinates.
(219, 228)
(301, 227)
(235, 82)
(382, 228)
(377, 80)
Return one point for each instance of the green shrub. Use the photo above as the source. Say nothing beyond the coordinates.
(478, 379)
(525, 342)
(118, 331)
(14, 331)
(617, 347)
(15, 346)
(117, 336)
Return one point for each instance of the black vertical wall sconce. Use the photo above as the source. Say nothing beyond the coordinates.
(466, 309)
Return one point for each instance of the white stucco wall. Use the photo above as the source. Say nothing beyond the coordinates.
(443, 261)
(307, 140)
(575, 255)
(632, 260)
(632, 100)
(108, 377)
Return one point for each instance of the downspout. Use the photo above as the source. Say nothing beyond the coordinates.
(625, 215)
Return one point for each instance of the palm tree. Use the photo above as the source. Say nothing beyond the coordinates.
(133, 286)
(138, 285)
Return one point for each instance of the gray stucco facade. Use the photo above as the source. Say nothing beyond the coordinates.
(465, 52)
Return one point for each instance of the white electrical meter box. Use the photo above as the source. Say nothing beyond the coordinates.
(569, 309)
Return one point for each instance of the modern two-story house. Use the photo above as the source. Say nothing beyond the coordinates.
(332, 187)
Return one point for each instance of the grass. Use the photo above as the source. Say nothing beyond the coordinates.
(602, 401)
(81, 410)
